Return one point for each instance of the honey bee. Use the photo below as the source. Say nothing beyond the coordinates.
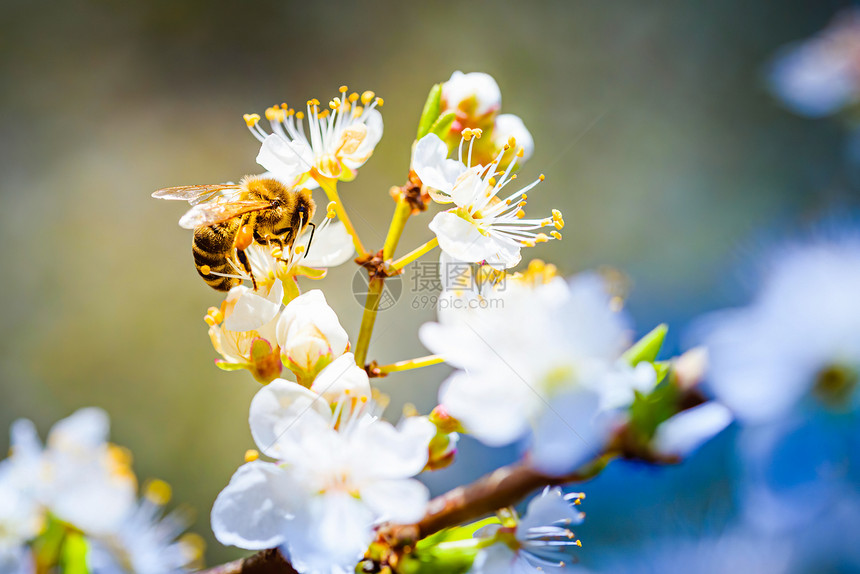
(228, 218)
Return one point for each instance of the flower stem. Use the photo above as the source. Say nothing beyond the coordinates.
(399, 366)
(415, 254)
(374, 294)
(329, 186)
(401, 214)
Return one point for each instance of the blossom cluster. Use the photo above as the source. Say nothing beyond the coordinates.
(73, 502)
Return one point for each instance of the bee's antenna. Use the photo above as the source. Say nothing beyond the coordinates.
(310, 240)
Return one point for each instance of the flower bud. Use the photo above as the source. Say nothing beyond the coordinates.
(474, 96)
(309, 335)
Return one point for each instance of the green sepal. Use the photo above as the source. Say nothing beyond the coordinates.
(649, 411)
(73, 556)
(464, 532)
(452, 550)
(647, 348)
(431, 111)
(443, 124)
(48, 544)
(228, 366)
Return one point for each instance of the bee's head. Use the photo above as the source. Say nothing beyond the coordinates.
(305, 206)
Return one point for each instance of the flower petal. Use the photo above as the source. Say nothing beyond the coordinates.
(461, 240)
(286, 160)
(332, 246)
(690, 429)
(255, 508)
(277, 408)
(430, 162)
(402, 501)
(341, 376)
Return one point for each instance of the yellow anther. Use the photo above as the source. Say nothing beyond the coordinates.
(508, 202)
(521, 152)
(477, 132)
(299, 249)
(205, 269)
(364, 398)
(209, 320)
(270, 113)
(353, 97)
(367, 97)
(194, 543)
(525, 196)
(492, 182)
(334, 104)
(284, 106)
(409, 410)
(541, 238)
(514, 176)
(251, 455)
(578, 543)
(251, 119)
(291, 112)
(541, 177)
(323, 114)
(343, 89)
(556, 214)
(521, 214)
(555, 234)
(379, 102)
(528, 242)
(512, 141)
(559, 224)
(300, 115)
(158, 492)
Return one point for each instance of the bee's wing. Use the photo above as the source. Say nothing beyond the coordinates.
(212, 213)
(195, 194)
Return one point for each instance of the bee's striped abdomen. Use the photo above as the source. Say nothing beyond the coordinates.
(213, 247)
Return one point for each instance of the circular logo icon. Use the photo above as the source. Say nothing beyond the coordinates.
(391, 290)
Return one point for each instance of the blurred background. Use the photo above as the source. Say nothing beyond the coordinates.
(661, 145)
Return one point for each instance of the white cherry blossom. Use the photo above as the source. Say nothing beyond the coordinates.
(482, 227)
(475, 94)
(545, 362)
(541, 541)
(339, 471)
(338, 139)
(797, 346)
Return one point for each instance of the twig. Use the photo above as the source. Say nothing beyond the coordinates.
(264, 562)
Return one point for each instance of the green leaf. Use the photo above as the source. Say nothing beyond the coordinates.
(431, 111)
(648, 411)
(443, 124)
(73, 557)
(647, 348)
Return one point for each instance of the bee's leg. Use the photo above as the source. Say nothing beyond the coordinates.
(243, 259)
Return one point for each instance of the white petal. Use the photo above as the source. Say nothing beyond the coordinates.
(334, 532)
(332, 246)
(24, 440)
(494, 410)
(398, 452)
(690, 429)
(279, 407)
(500, 559)
(310, 312)
(431, 164)
(548, 508)
(84, 429)
(373, 122)
(569, 433)
(478, 85)
(510, 125)
(254, 510)
(340, 376)
(402, 501)
(252, 311)
(287, 160)
(462, 241)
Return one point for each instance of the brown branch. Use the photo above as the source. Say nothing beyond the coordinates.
(264, 562)
(499, 489)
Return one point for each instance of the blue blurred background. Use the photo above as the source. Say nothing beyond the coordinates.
(660, 142)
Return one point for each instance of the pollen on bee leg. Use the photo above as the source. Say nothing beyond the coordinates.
(205, 269)
(251, 455)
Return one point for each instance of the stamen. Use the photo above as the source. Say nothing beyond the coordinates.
(251, 455)
(251, 119)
